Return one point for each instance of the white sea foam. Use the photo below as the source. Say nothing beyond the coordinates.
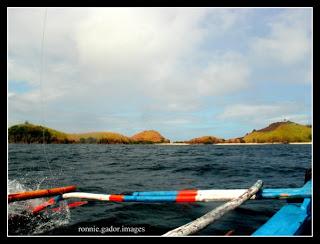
(36, 224)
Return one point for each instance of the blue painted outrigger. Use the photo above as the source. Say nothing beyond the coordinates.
(291, 219)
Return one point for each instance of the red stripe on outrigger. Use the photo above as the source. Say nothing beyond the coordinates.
(186, 196)
(116, 198)
(188, 192)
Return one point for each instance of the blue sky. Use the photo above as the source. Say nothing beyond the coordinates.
(186, 72)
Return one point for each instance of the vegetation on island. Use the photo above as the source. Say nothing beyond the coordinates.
(29, 133)
(279, 132)
(149, 136)
(205, 140)
(214, 140)
(100, 138)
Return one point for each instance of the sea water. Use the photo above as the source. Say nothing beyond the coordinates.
(114, 169)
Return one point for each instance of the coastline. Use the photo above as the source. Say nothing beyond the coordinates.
(187, 144)
(233, 144)
(303, 143)
(172, 144)
(265, 143)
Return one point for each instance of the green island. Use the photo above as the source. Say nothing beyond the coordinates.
(278, 132)
(30, 133)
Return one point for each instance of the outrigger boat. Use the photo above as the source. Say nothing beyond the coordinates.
(290, 220)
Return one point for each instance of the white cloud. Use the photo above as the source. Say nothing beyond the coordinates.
(11, 94)
(23, 72)
(288, 41)
(298, 118)
(23, 107)
(121, 50)
(261, 114)
(122, 43)
(225, 74)
(152, 61)
(178, 121)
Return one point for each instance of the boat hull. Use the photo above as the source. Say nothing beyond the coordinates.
(290, 220)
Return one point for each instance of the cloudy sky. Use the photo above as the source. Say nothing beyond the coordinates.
(186, 72)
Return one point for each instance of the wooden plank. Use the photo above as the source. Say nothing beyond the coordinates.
(202, 222)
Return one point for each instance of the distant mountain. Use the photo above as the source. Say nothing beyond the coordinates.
(205, 140)
(149, 136)
(283, 132)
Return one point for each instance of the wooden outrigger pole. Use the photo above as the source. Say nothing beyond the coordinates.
(39, 193)
(215, 214)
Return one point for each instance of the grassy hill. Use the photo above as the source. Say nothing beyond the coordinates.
(279, 132)
(284, 132)
(29, 133)
(100, 137)
(149, 136)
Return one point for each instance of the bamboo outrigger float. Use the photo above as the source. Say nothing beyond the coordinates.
(192, 195)
(20, 196)
(289, 220)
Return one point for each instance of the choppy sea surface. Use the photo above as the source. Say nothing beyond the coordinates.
(123, 168)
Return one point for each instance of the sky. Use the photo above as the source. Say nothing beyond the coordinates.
(185, 72)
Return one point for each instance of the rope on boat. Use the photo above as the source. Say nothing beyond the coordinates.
(42, 63)
(215, 214)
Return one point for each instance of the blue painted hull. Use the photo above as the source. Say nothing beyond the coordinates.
(290, 220)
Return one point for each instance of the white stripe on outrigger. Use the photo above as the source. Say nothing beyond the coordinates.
(219, 195)
(92, 196)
